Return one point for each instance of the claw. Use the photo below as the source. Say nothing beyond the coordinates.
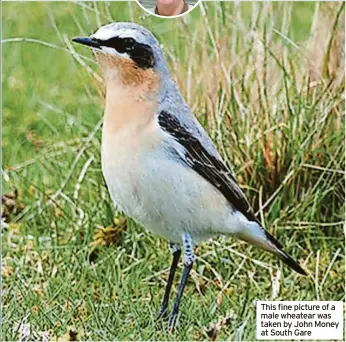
(172, 320)
(162, 313)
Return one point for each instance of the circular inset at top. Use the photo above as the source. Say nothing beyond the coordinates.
(168, 8)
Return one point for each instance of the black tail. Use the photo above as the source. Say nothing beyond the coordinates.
(283, 256)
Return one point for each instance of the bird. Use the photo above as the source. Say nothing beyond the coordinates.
(159, 164)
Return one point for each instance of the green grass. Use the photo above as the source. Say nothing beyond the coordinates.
(266, 80)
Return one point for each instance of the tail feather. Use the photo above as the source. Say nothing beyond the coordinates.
(284, 256)
(255, 234)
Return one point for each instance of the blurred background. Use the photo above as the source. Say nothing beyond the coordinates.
(266, 79)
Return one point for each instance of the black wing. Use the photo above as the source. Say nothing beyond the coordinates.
(212, 168)
(207, 165)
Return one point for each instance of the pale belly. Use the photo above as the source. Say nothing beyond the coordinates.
(166, 197)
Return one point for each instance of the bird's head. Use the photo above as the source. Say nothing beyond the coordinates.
(127, 53)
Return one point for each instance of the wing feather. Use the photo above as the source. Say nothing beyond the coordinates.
(206, 164)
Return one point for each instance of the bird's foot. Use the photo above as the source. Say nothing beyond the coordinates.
(163, 313)
(172, 320)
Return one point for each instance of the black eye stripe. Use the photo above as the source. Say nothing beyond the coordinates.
(141, 54)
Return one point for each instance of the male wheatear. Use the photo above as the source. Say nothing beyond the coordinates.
(160, 166)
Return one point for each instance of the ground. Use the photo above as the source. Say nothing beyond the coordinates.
(265, 79)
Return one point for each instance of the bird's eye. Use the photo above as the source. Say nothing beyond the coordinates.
(129, 41)
(140, 53)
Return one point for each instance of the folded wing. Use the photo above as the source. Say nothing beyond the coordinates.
(207, 164)
(204, 159)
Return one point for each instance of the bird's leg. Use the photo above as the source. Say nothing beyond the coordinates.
(189, 258)
(176, 252)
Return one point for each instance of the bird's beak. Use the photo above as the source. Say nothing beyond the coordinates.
(92, 42)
